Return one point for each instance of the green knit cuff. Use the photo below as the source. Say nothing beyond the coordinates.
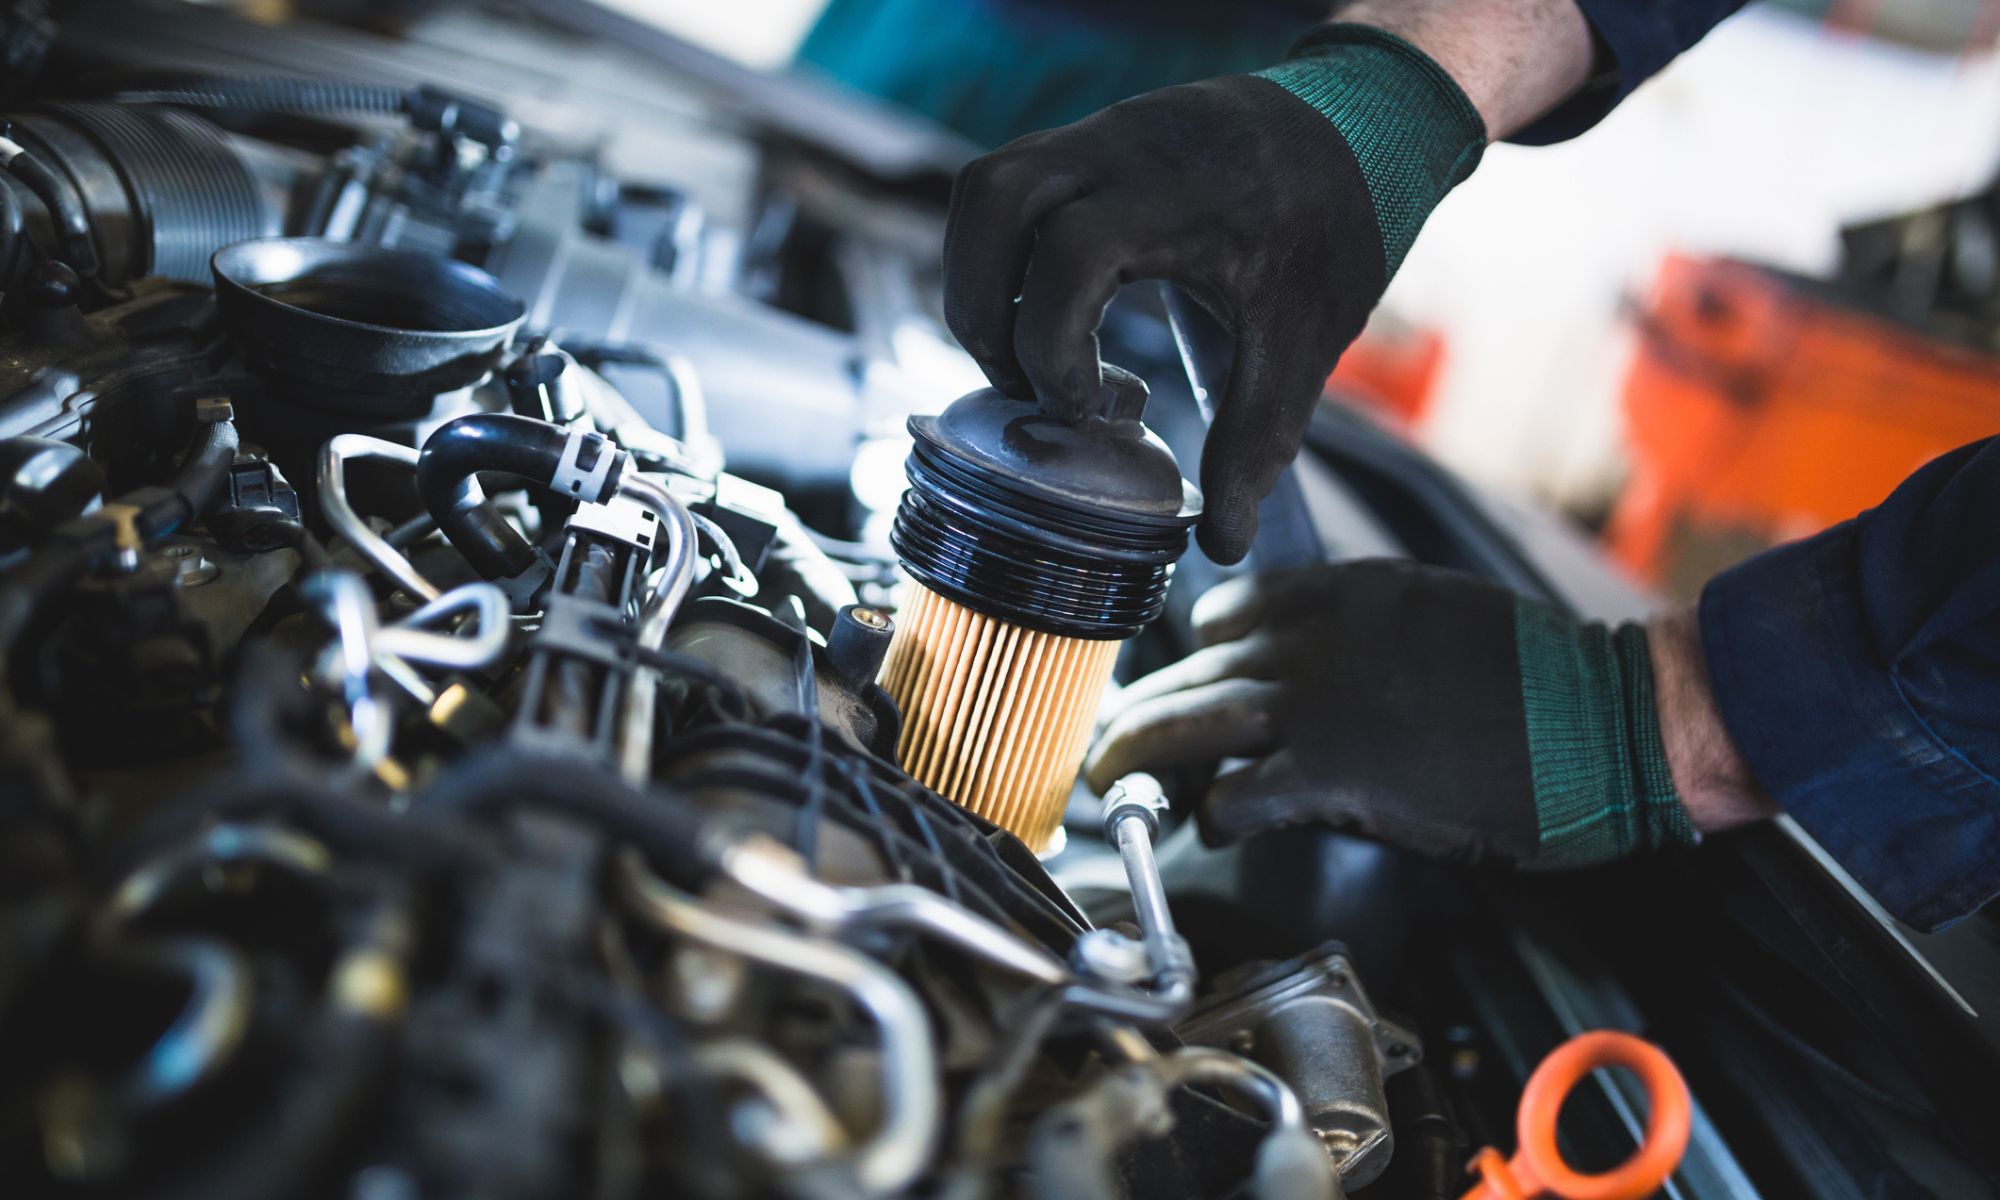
(1409, 124)
(1602, 787)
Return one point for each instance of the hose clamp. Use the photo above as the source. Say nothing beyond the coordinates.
(578, 482)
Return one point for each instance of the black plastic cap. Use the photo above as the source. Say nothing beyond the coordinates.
(1068, 527)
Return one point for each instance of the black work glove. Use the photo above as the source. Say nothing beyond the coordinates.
(1419, 706)
(1282, 202)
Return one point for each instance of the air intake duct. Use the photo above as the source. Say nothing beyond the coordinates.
(1036, 545)
(161, 189)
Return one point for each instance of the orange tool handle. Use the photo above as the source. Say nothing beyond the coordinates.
(1538, 1169)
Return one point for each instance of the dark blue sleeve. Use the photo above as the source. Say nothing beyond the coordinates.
(1859, 673)
(1635, 39)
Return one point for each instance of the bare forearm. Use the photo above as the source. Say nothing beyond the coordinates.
(1715, 784)
(1516, 59)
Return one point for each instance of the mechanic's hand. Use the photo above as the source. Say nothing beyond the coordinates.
(1282, 202)
(1419, 706)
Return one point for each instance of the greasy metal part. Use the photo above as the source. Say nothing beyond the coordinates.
(340, 513)
(899, 1150)
(1109, 955)
(777, 875)
(1200, 1064)
(676, 577)
(1073, 1149)
(1290, 1162)
(1309, 1021)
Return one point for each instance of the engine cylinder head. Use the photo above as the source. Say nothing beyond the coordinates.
(1036, 545)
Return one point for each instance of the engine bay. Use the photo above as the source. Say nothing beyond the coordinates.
(448, 563)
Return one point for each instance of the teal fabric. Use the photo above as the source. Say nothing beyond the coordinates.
(1411, 127)
(994, 74)
(1602, 787)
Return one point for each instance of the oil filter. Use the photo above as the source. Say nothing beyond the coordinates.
(1036, 545)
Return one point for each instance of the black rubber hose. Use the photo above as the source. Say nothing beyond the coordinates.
(197, 484)
(204, 473)
(270, 94)
(448, 480)
(678, 838)
(427, 107)
(15, 248)
(65, 207)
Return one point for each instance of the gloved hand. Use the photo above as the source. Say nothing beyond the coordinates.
(1282, 202)
(1419, 706)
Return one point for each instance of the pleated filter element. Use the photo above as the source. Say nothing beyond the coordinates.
(1036, 544)
(996, 716)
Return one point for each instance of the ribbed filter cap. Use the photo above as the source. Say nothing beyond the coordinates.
(1068, 527)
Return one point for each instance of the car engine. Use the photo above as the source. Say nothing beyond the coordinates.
(444, 585)
(532, 666)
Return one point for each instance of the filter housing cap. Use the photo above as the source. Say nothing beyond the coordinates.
(1068, 527)
(1108, 463)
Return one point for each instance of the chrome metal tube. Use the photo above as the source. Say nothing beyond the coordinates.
(333, 458)
(676, 579)
(792, 1100)
(775, 873)
(1219, 1068)
(1132, 809)
(911, 1102)
(408, 639)
(677, 572)
(1142, 874)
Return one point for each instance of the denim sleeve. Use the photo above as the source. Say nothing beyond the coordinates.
(1859, 673)
(1635, 39)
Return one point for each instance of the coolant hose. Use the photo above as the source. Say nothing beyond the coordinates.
(64, 205)
(205, 471)
(15, 249)
(574, 464)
